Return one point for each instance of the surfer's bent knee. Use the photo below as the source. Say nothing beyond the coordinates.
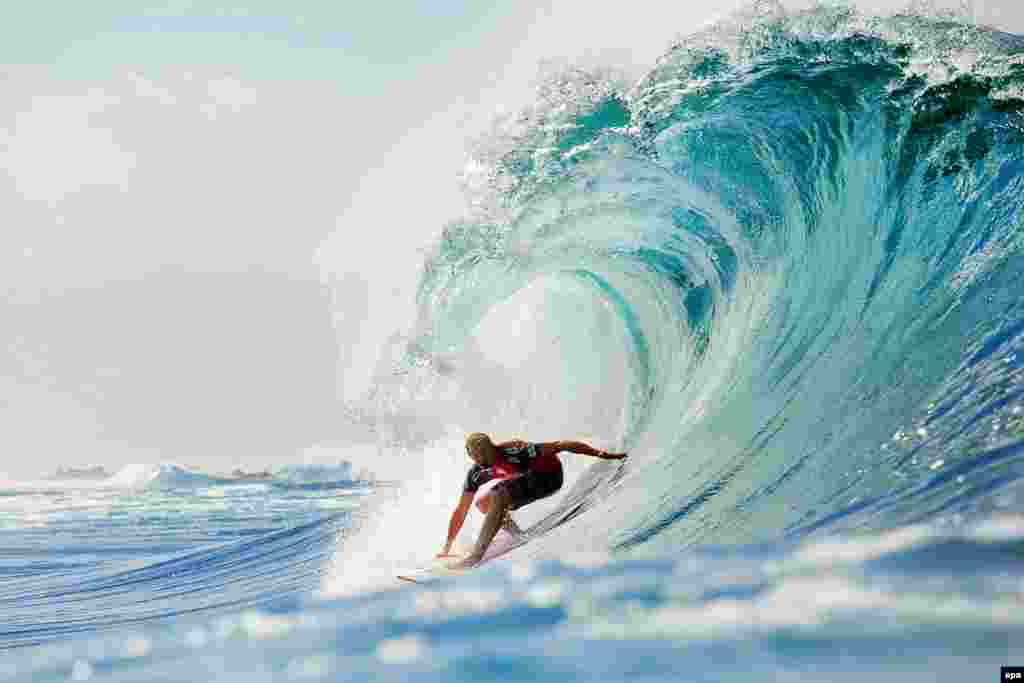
(501, 496)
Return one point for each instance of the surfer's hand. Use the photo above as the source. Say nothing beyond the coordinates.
(444, 553)
(613, 456)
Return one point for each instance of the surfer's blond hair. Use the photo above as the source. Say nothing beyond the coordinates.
(475, 443)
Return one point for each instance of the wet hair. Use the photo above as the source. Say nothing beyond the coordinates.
(475, 440)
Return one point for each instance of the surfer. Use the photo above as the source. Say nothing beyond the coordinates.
(529, 472)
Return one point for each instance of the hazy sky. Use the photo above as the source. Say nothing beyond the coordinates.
(214, 212)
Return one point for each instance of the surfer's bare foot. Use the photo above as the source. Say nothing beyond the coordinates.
(509, 525)
(465, 563)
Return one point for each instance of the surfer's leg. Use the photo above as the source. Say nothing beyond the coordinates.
(483, 503)
(531, 487)
(527, 489)
(500, 501)
(509, 525)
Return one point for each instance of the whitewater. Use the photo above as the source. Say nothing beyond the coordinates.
(783, 271)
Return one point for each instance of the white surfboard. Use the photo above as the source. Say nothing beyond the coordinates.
(439, 567)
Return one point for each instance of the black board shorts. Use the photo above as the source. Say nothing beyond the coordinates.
(530, 487)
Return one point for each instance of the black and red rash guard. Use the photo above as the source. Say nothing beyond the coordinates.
(512, 461)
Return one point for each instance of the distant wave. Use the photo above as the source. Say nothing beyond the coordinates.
(162, 475)
(172, 475)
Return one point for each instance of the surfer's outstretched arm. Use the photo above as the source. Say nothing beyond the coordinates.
(458, 518)
(556, 447)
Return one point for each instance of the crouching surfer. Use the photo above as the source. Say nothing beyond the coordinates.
(529, 472)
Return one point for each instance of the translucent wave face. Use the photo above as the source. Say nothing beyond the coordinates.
(783, 222)
(557, 360)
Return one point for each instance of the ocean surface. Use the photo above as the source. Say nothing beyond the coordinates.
(783, 270)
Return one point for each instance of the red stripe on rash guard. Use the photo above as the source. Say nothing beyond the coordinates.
(507, 464)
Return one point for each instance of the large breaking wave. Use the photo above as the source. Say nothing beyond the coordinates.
(782, 270)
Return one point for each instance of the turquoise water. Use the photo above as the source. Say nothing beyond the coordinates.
(783, 270)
